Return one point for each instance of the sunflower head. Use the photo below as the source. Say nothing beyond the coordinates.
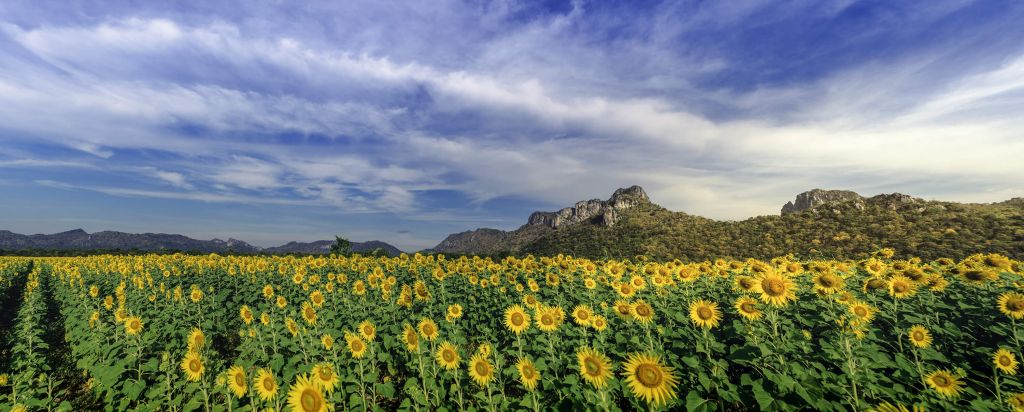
(775, 289)
(266, 384)
(1011, 304)
(747, 308)
(324, 376)
(1005, 361)
(192, 365)
(594, 367)
(448, 356)
(410, 338)
(516, 319)
(132, 325)
(237, 382)
(428, 329)
(528, 374)
(643, 312)
(368, 330)
(649, 379)
(919, 336)
(945, 383)
(356, 346)
(705, 314)
(306, 396)
(901, 287)
(480, 369)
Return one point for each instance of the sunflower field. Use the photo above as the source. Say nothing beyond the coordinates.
(429, 333)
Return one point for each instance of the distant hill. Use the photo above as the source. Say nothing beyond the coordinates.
(79, 240)
(818, 223)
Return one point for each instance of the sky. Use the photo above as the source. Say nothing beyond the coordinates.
(272, 121)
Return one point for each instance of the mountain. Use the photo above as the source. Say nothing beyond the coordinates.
(78, 239)
(594, 212)
(818, 223)
(324, 246)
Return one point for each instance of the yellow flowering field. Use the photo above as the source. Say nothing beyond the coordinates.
(429, 333)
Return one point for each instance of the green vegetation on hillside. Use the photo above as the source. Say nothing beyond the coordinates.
(923, 228)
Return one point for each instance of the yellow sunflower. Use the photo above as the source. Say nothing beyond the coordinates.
(624, 309)
(919, 336)
(246, 314)
(317, 298)
(828, 282)
(1016, 402)
(237, 382)
(599, 323)
(196, 340)
(327, 340)
(356, 346)
(133, 325)
(266, 384)
(747, 308)
(480, 369)
(367, 330)
(582, 314)
(192, 364)
(775, 289)
(943, 382)
(306, 396)
(546, 319)
(705, 314)
(594, 367)
(1005, 361)
(293, 327)
(308, 313)
(643, 312)
(428, 329)
(1011, 304)
(528, 374)
(411, 338)
(901, 287)
(324, 376)
(455, 311)
(448, 356)
(516, 319)
(862, 311)
(649, 380)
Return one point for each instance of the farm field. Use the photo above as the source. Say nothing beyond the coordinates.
(426, 333)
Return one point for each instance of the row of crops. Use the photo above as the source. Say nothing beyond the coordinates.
(184, 333)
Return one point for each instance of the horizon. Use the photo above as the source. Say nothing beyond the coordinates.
(406, 122)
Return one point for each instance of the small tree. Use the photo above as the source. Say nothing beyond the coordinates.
(341, 246)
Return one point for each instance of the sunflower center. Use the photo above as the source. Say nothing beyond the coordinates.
(827, 281)
(311, 400)
(705, 313)
(592, 367)
(547, 320)
(941, 381)
(860, 311)
(900, 287)
(482, 369)
(325, 374)
(1005, 360)
(774, 287)
(528, 372)
(268, 384)
(448, 356)
(583, 315)
(918, 335)
(357, 346)
(1015, 304)
(746, 283)
(194, 365)
(649, 375)
(643, 310)
(518, 319)
(748, 307)
(239, 380)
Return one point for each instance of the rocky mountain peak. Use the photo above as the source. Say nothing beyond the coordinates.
(601, 212)
(817, 197)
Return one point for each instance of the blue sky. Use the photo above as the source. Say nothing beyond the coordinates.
(405, 121)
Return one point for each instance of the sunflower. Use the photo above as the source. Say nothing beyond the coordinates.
(196, 340)
(293, 327)
(944, 383)
(582, 315)
(649, 379)
(901, 287)
(919, 336)
(308, 313)
(448, 356)
(828, 282)
(237, 382)
(4, 379)
(193, 366)
(704, 313)
(775, 289)
(516, 319)
(599, 323)
(978, 276)
(265, 384)
(862, 311)
(356, 346)
(643, 312)
(306, 396)
(547, 319)
(1016, 402)
(327, 340)
(744, 284)
(455, 311)
(1005, 361)
(480, 369)
(324, 376)
(624, 309)
(133, 325)
(268, 291)
(1011, 304)
(528, 374)
(411, 338)
(428, 329)
(594, 367)
(368, 331)
(317, 298)
(246, 314)
(747, 308)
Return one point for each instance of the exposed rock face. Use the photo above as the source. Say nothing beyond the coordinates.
(817, 197)
(595, 211)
